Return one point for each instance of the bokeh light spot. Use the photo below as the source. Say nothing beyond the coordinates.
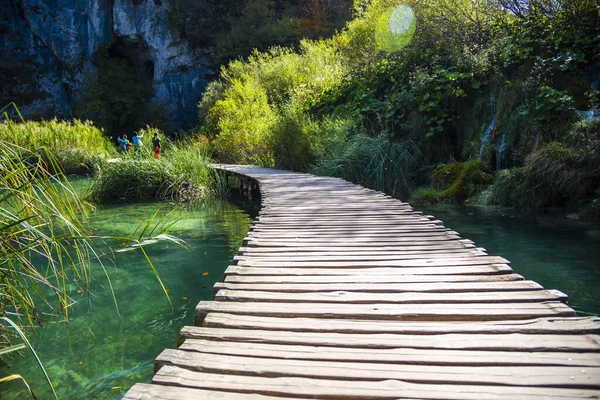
(395, 28)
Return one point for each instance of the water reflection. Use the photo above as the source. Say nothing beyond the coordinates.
(556, 252)
(102, 353)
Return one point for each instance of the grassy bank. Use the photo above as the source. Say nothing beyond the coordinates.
(77, 145)
(181, 174)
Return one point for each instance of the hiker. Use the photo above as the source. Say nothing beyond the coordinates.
(156, 146)
(123, 143)
(137, 142)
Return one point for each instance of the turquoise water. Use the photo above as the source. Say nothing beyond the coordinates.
(102, 352)
(558, 253)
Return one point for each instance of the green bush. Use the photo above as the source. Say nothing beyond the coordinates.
(459, 181)
(375, 162)
(509, 187)
(425, 196)
(555, 175)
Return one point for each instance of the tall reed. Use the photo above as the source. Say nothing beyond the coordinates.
(373, 162)
(76, 145)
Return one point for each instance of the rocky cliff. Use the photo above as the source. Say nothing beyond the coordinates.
(47, 53)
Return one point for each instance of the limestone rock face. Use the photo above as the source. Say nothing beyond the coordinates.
(47, 50)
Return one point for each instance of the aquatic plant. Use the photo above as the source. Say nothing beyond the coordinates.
(45, 243)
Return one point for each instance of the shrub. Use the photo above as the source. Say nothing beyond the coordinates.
(425, 196)
(245, 120)
(554, 175)
(460, 181)
(373, 162)
(508, 187)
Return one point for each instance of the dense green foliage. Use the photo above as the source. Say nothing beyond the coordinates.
(557, 175)
(182, 173)
(524, 65)
(76, 145)
(233, 29)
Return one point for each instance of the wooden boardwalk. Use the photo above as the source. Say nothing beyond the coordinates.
(340, 292)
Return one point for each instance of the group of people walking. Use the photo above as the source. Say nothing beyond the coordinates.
(124, 145)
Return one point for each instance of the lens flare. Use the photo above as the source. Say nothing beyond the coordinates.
(395, 28)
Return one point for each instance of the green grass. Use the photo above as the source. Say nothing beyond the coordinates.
(77, 145)
(375, 162)
(181, 174)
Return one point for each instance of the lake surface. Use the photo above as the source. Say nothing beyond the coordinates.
(102, 352)
(558, 253)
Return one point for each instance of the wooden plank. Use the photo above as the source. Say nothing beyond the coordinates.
(384, 311)
(546, 376)
(407, 242)
(346, 235)
(435, 247)
(391, 271)
(416, 220)
(395, 356)
(316, 262)
(358, 389)
(559, 326)
(144, 391)
(350, 230)
(344, 223)
(497, 342)
(364, 252)
(353, 252)
(323, 219)
(355, 241)
(384, 287)
(367, 279)
(344, 297)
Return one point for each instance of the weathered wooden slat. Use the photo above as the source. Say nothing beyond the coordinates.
(356, 254)
(346, 222)
(467, 270)
(144, 391)
(392, 356)
(496, 342)
(357, 235)
(437, 287)
(358, 389)
(312, 262)
(408, 312)
(344, 297)
(455, 245)
(558, 326)
(357, 219)
(358, 242)
(547, 376)
(372, 279)
(350, 230)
